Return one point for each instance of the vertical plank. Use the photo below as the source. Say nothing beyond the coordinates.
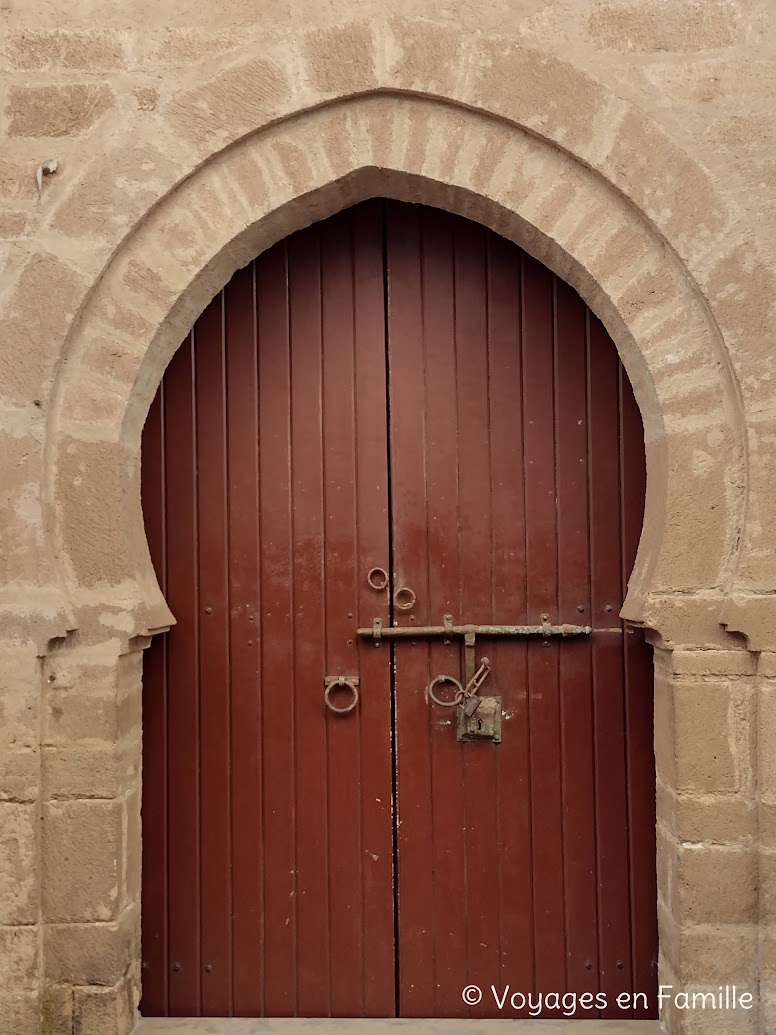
(542, 589)
(440, 569)
(610, 762)
(414, 721)
(639, 718)
(277, 643)
(372, 517)
(214, 703)
(242, 392)
(475, 532)
(346, 849)
(509, 606)
(579, 831)
(312, 895)
(183, 687)
(155, 793)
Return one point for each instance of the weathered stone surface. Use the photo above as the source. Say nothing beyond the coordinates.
(19, 951)
(686, 26)
(18, 863)
(63, 49)
(82, 860)
(91, 953)
(717, 885)
(109, 1011)
(49, 111)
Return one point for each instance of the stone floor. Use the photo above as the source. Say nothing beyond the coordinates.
(316, 1026)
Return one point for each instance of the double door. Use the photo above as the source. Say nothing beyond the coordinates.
(394, 416)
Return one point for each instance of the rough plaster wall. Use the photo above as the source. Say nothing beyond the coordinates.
(96, 86)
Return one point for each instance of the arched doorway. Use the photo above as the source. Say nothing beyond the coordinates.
(389, 418)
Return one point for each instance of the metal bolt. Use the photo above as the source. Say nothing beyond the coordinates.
(620, 964)
(208, 610)
(580, 608)
(177, 966)
(588, 965)
(350, 614)
(608, 607)
(350, 642)
(208, 967)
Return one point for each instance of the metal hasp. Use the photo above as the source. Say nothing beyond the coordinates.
(380, 632)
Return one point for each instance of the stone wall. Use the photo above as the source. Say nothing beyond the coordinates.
(149, 149)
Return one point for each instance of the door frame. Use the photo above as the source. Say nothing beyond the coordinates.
(605, 247)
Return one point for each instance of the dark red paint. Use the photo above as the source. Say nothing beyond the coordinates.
(401, 388)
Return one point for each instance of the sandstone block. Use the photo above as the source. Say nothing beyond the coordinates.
(19, 1013)
(19, 775)
(56, 1010)
(56, 111)
(90, 771)
(717, 885)
(719, 954)
(60, 49)
(108, 1011)
(705, 745)
(686, 26)
(722, 819)
(713, 662)
(18, 863)
(91, 954)
(82, 860)
(19, 956)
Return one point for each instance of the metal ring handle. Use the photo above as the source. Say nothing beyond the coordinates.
(377, 573)
(460, 693)
(404, 591)
(334, 686)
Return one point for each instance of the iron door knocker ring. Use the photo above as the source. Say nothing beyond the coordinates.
(404, 598)
(377, 578)
(334, 683)
(460, 693)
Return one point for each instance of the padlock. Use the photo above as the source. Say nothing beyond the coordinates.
(471, 705)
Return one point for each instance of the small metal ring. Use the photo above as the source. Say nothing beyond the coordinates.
(335, 686)
(412, 598)
(370, 578)
(460, 693)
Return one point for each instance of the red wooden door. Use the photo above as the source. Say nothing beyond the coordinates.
(402, 389)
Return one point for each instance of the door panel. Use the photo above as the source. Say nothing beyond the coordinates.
(269, 875)
(508, 406)
(403, 389)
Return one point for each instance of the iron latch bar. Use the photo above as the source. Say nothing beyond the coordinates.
(380, 632)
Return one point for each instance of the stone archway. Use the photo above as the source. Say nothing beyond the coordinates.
(233, 207)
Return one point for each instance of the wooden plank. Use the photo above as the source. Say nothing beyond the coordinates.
(183, 687)
(515, 896)
(438, 566)
(475, 533)
(372, 518)
(414, 722)
(242, 417)
(312, 862)
(155, 792)
(579, 831)
(542, 599)
(277, 650)
(215, 683)
(639, 711)
(610, 757)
